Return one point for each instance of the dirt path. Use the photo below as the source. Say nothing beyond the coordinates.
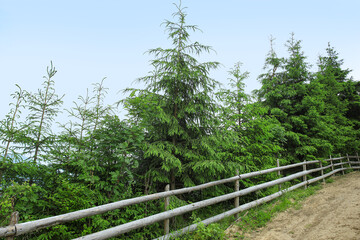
(332, 213)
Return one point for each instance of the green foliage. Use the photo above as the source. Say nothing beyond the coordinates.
(176, 110)
(310, 107)
(19, 170)
(331, 130)
(210, 232)
(285, 91)
(10, 128)
(256, 137)
(44, 107)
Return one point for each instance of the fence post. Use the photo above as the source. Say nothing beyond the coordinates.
(278, 172)
(14, 219)
(305, 176)
(322, 171)
(342, 166)
(348, 159)
(357, 155)
(237, 188)
(167, 203)
(332, 164)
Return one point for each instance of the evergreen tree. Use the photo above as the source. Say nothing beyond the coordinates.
(333, 77)
(351, 94)
(76, 149)
(177, 110)
(44, 107)
(331, 82)
(255, 136)
(235, 100)
(233, 114)
(11, 134)
(283, 92)
(270, 92)
(343, 100)
(9, 127)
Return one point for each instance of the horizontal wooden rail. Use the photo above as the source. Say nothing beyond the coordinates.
(353, 162)
(27, 227)
(243, 207)
(249, 205)
(124, 228)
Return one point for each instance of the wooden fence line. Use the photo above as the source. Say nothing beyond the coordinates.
(27, 227)
(23, 228)
(126, 227)
(247, 206)
(243, 207)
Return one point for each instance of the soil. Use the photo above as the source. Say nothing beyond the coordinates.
(332, 213)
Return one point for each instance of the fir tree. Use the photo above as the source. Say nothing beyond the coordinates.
(176, 108)
(330, 81)
(283, 92)
(255, 135)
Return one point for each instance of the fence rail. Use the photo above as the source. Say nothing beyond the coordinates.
(17, 229)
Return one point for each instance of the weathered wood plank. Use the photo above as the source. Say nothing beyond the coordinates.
(166, 207)
(305, 176)
(237, 188)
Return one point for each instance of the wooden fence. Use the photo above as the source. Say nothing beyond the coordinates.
(335, 165)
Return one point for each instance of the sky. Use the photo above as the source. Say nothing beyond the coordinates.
(88, 40)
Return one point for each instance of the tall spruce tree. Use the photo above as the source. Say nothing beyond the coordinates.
(177, 109)
(331, 81)
(283, 91)
(255, 136)
(270, 92)
(333, 77)
(342, 100)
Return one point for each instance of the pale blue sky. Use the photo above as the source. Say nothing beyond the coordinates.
(89, 40)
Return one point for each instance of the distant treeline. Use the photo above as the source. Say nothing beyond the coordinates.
(182, 129)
